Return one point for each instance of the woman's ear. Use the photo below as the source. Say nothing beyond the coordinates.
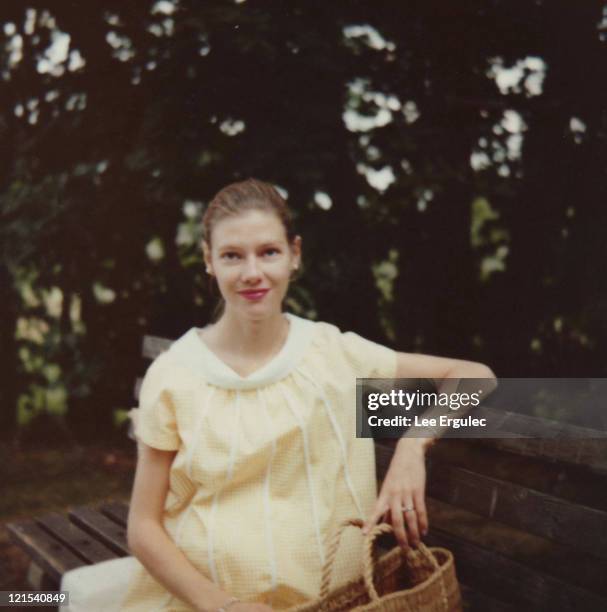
(296, 251)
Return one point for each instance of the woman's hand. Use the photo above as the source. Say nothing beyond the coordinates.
(404, 487)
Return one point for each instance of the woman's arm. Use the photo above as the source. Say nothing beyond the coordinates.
(152, 545)
(412, 365)
(405, 482)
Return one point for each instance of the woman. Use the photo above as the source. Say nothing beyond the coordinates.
(248, 456)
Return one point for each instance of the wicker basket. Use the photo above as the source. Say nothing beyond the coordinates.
(421, 580)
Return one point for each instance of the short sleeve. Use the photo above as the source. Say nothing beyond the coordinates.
(370, 359)
(155, 423)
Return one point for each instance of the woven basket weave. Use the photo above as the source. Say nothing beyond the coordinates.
(421, 580)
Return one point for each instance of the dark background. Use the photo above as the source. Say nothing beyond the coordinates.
(488, 244)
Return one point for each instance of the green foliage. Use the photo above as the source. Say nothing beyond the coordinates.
(461, 155)
(486, 237)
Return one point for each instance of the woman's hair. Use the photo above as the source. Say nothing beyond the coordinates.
(250, 194)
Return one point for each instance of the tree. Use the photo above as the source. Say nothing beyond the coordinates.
(369, 116)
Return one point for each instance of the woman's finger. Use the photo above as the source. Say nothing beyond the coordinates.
(422, 514)
(410, 513)
(398, 523)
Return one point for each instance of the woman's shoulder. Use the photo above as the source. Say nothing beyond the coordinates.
(325, 335)
(329, 331)
(367, 357)
(175, 363)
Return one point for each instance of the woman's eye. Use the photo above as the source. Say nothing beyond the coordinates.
(230, 255)
(271, 252)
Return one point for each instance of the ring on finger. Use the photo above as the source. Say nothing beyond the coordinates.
(407, 509)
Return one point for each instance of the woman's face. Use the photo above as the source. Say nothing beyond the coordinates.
(252, 261)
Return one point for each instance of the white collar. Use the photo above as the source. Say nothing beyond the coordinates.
(190, 350)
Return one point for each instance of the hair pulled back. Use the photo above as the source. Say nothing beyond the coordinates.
(243, 196)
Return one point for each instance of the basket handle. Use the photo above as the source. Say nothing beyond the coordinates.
(327, 568)
(368, 564)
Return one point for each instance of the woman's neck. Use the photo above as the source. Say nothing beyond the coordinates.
(250, 338)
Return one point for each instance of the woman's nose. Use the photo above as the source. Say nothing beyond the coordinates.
(251, 269)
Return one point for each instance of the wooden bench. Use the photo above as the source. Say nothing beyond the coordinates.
(525, 518)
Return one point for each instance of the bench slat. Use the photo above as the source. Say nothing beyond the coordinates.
(578, 526)
(518, 425)
(49, 554)
(102, 528)
(589, 453)
(476, 601)
(78, 541)
(116, 510)
(510, 581)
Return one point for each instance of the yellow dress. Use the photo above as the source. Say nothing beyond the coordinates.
(267, 465)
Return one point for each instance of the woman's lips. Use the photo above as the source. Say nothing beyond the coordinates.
(254, 295)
